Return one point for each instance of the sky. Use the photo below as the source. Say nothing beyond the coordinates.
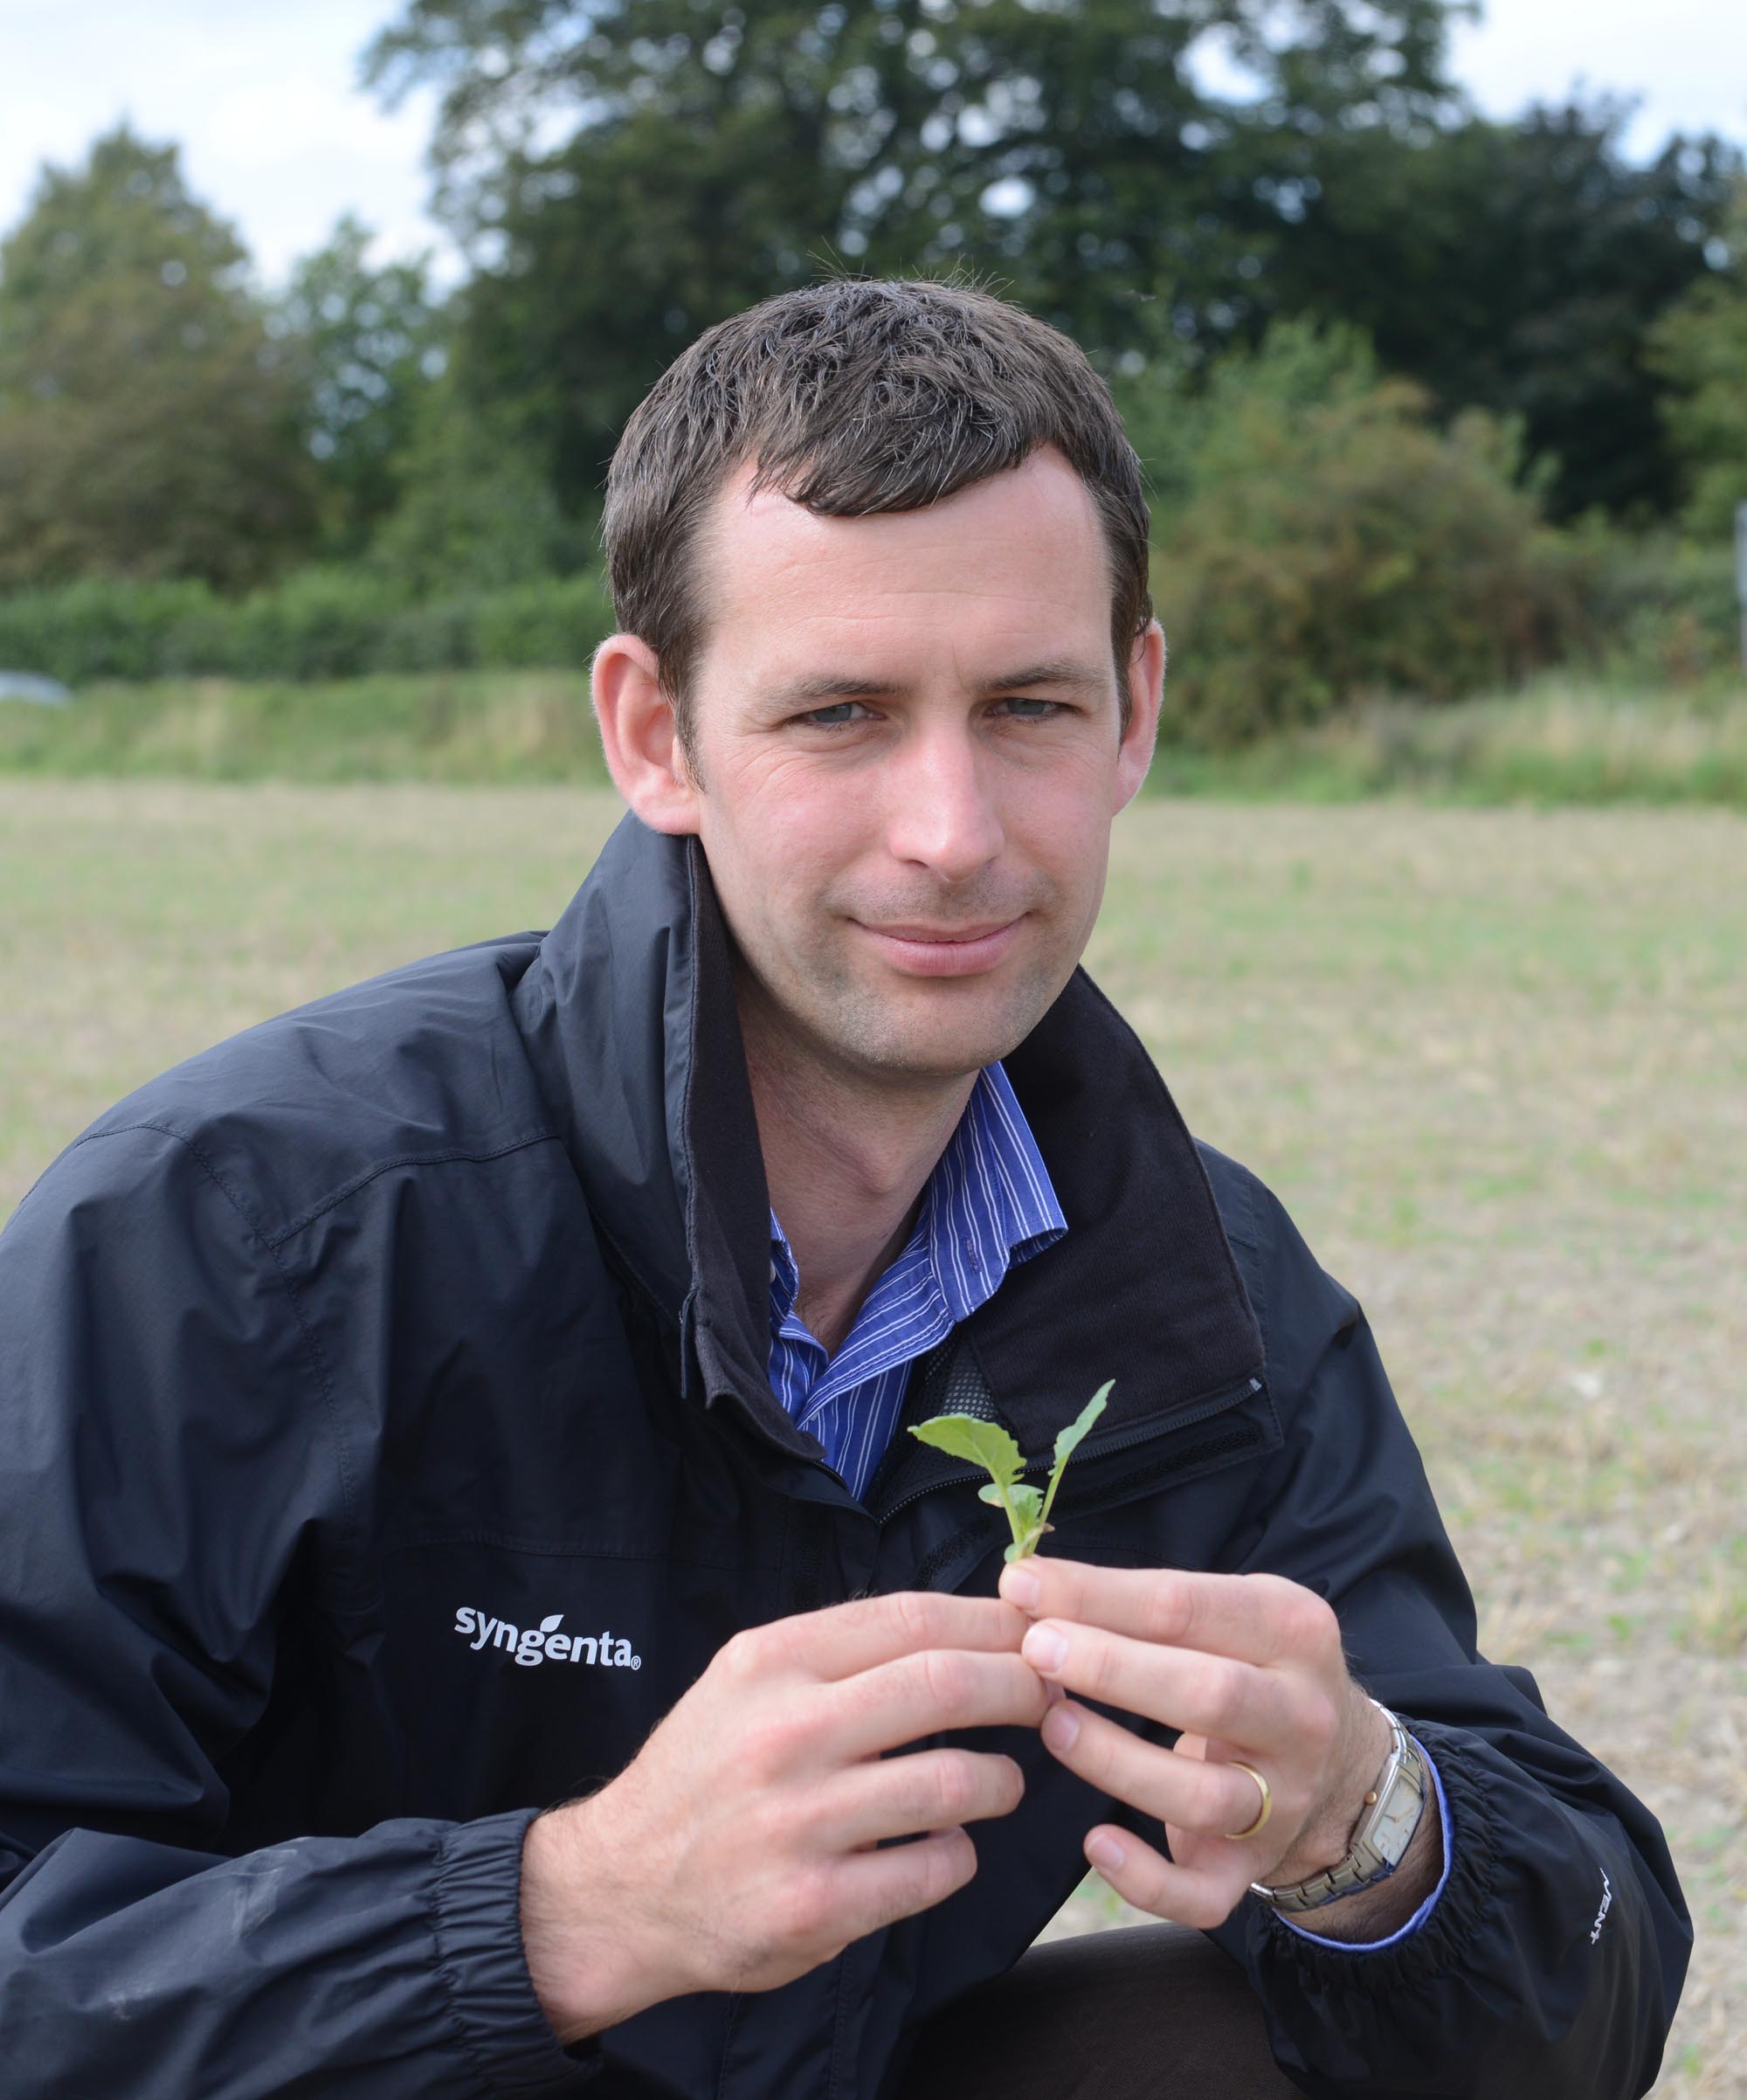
(278, 138)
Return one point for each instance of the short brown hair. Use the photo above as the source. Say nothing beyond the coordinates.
(855, 397)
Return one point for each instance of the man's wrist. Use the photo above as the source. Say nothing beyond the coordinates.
(1348, 1843)
(585, 1963)
(1375, 1912)
(1328, 1836)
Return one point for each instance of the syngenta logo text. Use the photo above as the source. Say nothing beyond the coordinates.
(544, 1643)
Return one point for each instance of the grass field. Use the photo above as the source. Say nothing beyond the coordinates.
(1494, 1060)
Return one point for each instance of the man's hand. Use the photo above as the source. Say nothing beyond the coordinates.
(741, 1847)
(1246, 1667)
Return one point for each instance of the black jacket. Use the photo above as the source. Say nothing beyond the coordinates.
(388, 1444)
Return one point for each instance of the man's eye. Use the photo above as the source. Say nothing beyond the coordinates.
(1033, 710)
(836, 717)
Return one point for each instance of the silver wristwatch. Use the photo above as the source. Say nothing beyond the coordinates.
(1392, 1811)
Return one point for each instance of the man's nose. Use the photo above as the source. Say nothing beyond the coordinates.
(942, 813)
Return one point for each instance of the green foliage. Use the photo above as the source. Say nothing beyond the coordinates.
(1660, 611)
(1317, 539)
(363, 346)
(469, 727)
(148, 424)
(988, 1445)
(983, 1443)
(478, 511)
(1071, 1435)
(1565, 740)
(1074, 154)
(707, 156)
(1515, 267)
(317, 623)
(1700, 348)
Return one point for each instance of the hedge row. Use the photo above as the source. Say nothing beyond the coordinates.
(316, 624)
(1664, 612)
(1426, 581)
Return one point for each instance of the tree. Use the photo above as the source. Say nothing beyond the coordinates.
(1700, 347)
(625, 172)
(148, 424)
(364, 346)
(1317, 540)
(1520, 268)
(476, 508)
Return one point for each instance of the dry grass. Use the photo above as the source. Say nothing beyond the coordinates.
(1494, 1062)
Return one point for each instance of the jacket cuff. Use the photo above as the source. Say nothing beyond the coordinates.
(476, 1916)
(1439, 1943)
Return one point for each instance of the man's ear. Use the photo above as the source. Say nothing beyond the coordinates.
(1146, 692)
(639, 736)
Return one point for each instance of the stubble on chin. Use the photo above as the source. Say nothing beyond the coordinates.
(927, 1031)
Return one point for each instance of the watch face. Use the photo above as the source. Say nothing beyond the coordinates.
(1401, 1799)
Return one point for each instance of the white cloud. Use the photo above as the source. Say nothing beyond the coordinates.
(1685, 58)
(276, 137)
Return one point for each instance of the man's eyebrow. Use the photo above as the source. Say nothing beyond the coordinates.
(828, 685)
(1053, 671)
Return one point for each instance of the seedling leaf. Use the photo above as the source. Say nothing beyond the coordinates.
(969, 1436)
(1066, 1438)
(1028, 1502)
(988, 1445)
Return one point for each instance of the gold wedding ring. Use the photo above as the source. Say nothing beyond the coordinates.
(1266, 1808)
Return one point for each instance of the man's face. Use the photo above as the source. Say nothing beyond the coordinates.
(907, 732)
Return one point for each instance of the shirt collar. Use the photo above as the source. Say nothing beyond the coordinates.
(785, 1276)
(989, 1204)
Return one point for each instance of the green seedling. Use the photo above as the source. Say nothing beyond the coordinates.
(988, 1445)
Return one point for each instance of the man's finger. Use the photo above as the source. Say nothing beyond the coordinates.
(911, 1697)
(1201, 1896)
(896, 1880)
(1260, 1619)
(929, 1790)
(1186, 1688)
(1188, 1792)
(846, 1639)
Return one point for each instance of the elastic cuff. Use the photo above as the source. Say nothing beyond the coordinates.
(477, 1918)
(1440, 1943)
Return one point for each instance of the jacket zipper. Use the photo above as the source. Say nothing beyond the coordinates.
(1093, 1447)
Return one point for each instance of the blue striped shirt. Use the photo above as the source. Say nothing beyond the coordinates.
(988, 1204)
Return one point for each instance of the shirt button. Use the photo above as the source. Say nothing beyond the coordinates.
(970, 1256)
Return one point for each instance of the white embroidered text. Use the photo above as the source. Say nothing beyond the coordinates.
(1606, 1905)
(544, 1643)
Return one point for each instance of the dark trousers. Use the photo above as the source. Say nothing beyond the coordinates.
(1136, 2013)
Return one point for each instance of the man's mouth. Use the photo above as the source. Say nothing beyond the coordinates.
(918, 949)
(916, 932)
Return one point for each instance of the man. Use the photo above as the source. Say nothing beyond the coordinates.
(473, 1619)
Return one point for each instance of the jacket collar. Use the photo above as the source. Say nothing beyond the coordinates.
(628, 1011)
